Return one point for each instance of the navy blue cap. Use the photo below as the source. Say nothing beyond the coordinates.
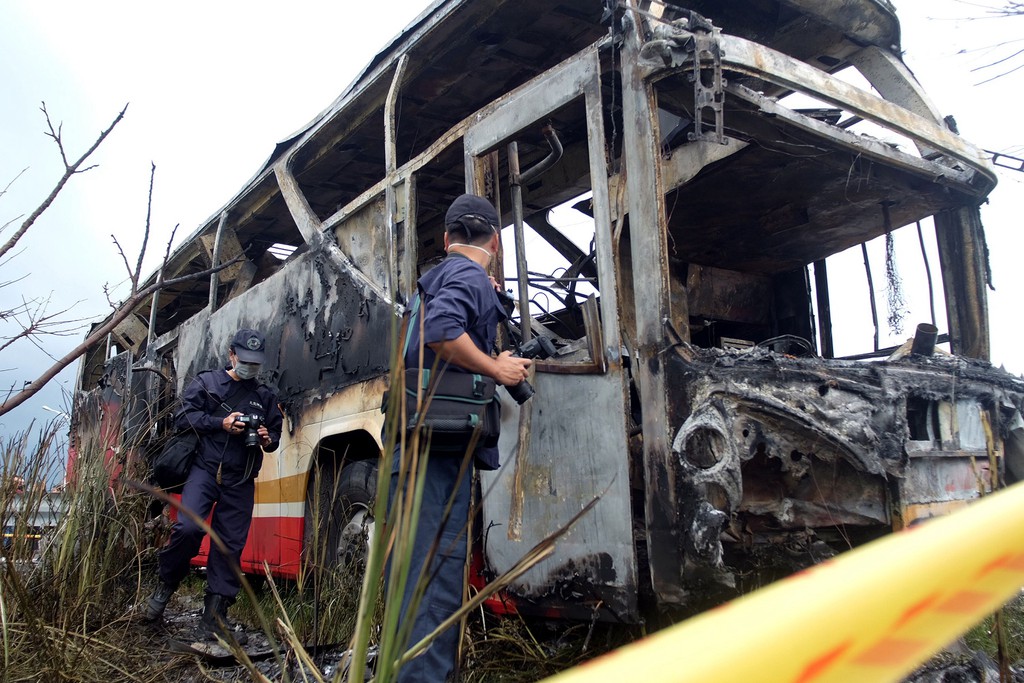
(249, 346)
(470, 205)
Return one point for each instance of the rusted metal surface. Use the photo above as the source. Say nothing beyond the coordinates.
(651, 297)
(963, 261)
(674, 51)
(774, 443)
(552, 469)
(327, 336)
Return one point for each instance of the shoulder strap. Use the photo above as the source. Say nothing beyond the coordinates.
(410, 322)
(225, 402)
(231, 400)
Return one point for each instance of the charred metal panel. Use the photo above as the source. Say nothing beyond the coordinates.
(646, 204)
(1014, 444)
(769, 444)
(322, 333)
(895, 82)
(729, 295)
(944, 479)
(962, 255)
(873, 22)
(672, 51)
(950, 463)
(364, 240)
(549, 472)
(796, 491)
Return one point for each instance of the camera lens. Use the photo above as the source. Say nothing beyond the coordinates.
(521, 392)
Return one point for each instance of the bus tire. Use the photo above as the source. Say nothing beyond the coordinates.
(344, 512)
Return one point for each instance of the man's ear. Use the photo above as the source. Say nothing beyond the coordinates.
(446, 240)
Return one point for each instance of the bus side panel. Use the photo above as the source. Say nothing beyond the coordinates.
(322, 336)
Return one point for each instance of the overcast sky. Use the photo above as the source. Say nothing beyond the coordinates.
(212, 86)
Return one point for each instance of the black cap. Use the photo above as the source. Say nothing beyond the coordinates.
(249, 346)
(470, 205)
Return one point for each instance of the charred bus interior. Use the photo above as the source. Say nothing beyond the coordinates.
(497, 48)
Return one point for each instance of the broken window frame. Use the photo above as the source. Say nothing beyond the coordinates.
(498, 124)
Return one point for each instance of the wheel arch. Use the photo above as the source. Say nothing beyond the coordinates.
(332, 454)
(345, 447)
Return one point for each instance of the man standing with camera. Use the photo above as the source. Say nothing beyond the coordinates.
(460, 312)
(237, 419)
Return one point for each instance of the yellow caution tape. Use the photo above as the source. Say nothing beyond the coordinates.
(871, 615)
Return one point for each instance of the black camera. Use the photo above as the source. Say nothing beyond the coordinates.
(537, 348)
(252, 423)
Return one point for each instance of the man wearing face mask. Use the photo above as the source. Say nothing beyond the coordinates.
(461, 312)
(222, 477)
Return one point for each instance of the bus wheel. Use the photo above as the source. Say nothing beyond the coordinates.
(345, 514)
(357, 490)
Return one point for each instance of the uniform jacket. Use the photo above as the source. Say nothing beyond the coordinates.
(458, 297)
(211, 397)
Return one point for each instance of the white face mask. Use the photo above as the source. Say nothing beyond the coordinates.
(246, 370)
(472, 246)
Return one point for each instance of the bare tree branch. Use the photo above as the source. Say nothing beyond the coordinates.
(7, 284)
(97, 335)
(167, 251)
(69, 170)
(8, 223)
(1005, 73)
(987, 48)
(4, 191)
(1011, 8)
(40, 323)
(106, 293)
(124, 260)
(11, 255)
(13, 180)
(145, 235)
(31, 315)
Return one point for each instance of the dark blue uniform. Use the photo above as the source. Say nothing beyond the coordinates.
(458, 298)
(223, 474)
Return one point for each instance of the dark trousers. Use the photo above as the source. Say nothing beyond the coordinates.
(231, 518)
(444, 592)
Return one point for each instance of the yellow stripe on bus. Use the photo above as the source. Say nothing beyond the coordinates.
(873, 614)
(290, 489)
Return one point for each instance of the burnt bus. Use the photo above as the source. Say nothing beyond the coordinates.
(671, 204)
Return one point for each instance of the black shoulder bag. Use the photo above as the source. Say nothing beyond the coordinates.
(172, 464)
(453, 405)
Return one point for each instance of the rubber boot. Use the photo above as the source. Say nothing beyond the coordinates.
(215, 620)
(157, 602)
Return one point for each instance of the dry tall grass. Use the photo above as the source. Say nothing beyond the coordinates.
(67, 591)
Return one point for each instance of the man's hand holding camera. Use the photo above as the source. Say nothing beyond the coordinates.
(238, 423)
(511, 370)
(505, 368)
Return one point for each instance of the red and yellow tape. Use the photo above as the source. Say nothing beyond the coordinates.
(872, 615)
